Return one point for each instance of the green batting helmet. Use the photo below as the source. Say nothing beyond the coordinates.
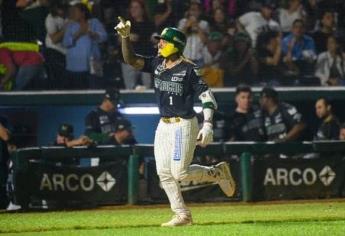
(174, 36)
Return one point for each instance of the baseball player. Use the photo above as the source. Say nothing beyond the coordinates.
(176, 82)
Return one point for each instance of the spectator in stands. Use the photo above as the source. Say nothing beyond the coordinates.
(65, 137)
(100, 124)
(246, 123)
(288, 15)
(257, 22)
(196, 31)
(330, 66)
(141, 31)
(55, 53)
(325, 28)
(164, 15)
(4, 158)
(239, 63)
(328, 128)
(22, 66)
(342, 132)
(212, 54)
(299, 51)
(269, 58)
(220, 23)
(282, 121)
(82, 38)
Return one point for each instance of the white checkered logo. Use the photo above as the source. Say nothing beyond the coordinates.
(327, 175)
(106, 181)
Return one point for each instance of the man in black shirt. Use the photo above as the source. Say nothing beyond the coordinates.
(123, 133)
(247, 121)
(329, 126)
(282, 121)
(100, 123)
(176, 82)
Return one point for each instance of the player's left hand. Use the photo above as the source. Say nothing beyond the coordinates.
(123, 28)
(205, 135)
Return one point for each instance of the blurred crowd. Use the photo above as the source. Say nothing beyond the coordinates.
(71, 44)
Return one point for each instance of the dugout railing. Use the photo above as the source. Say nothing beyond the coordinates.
(22, 158)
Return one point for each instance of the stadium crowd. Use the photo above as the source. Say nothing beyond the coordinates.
(71, 44)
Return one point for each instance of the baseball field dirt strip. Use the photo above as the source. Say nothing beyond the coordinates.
(323, 217)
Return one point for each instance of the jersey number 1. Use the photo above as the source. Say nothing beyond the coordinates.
(170, 100)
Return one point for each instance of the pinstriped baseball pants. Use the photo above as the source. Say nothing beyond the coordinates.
(174, 147)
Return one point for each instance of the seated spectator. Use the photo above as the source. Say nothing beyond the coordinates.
(22, 66)
(282, 121)
(141, 31)
(342, 132)
(256, 22)
(330, 65)
(269, 58)
(81, 39)
(55, 53)
(328, 128)
(299, 51)
(100, 124)
(239, 62)
(326, 27)
(246, 123)
(196, 31)
(65, 137)
(212, 53)
(123, 133)
(287, 16)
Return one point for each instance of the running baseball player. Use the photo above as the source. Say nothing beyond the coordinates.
(176, 82)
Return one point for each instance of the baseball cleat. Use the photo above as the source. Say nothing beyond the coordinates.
(179, 220)
(225, 180)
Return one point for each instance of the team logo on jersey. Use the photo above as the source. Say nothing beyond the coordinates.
(176, 79)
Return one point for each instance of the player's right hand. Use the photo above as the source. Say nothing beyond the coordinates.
(123, 28)
(205, 135)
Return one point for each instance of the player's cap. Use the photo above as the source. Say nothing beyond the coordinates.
(123, 124)
(269, 92)
(112, 95)
(174, 36)
(215, 36)
(66, 130)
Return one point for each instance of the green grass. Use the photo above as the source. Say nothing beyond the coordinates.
(280, 218)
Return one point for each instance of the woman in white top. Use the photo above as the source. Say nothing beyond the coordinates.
(330, 66)
(290, 14)
(55, 52)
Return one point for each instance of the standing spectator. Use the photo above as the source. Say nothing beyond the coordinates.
(100, 124)
(23, 66)
(328, 128)
(257, 22)
(269, 58)
(246, 123)
(282, 121)
(342, 132)
(196, 31)
(55, 53)
(81, 39)
(293, 12)
(239, 63)
(212, 54)
(330, 66)
(142, 30)
(220, 23)
(164, 15)
(4, 158)
(325, 29)
(299, 51)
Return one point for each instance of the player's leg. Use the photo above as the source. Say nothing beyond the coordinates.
(185, 141)
(163, 147)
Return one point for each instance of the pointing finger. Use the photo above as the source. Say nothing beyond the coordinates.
(121, 19)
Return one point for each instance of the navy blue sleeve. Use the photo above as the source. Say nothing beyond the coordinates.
(149, 65)
(291, 115)
(198, 84)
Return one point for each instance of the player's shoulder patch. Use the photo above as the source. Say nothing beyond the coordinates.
(198, 71)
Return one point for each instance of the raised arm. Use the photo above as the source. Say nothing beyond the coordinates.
(123, 28)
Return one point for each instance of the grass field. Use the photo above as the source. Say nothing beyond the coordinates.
(273, 218)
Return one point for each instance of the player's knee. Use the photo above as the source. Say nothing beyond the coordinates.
(180, 176)
(164, 174)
